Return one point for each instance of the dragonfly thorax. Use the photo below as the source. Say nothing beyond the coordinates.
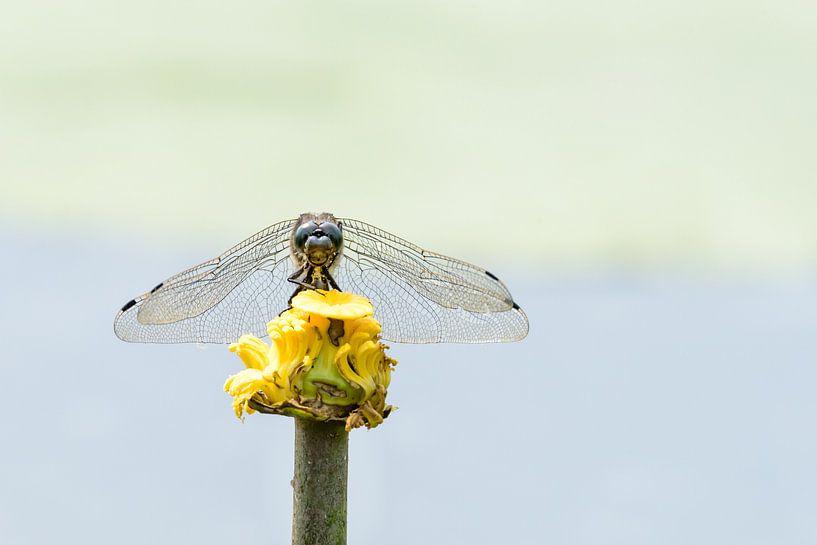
(317, 278)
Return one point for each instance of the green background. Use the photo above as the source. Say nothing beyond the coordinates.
(573, 133)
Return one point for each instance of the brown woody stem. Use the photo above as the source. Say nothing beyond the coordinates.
(321, 468)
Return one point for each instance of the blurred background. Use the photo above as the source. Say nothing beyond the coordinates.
(640, 174)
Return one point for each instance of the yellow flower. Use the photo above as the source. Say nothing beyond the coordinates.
(325, 361)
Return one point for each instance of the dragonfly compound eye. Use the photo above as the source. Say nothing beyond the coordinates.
(302, 233)
(333, 232)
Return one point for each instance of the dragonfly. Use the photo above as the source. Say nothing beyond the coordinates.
(419, 296)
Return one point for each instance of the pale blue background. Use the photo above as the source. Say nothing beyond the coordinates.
(643, 408)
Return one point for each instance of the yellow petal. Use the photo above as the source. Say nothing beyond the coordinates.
(252, 351)
(333, 304)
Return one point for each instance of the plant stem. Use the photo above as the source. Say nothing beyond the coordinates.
(321, 468)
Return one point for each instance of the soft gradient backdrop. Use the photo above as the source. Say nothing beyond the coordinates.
(641, 174)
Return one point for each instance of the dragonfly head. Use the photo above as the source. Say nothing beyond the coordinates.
(319, 241)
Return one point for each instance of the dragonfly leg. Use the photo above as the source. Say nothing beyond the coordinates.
(301, 284)
(294, 276)
(331, 280)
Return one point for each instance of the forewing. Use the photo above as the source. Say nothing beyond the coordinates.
(424, 297)
(219, 300)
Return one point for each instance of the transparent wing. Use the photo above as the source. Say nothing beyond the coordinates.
(425, 297)
(219, 300)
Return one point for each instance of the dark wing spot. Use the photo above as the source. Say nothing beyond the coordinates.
(159, 285)
(516, 307)
(128, 305)
(491, 275)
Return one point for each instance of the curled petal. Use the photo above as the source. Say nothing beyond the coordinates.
(252, 351)
(242, 386)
